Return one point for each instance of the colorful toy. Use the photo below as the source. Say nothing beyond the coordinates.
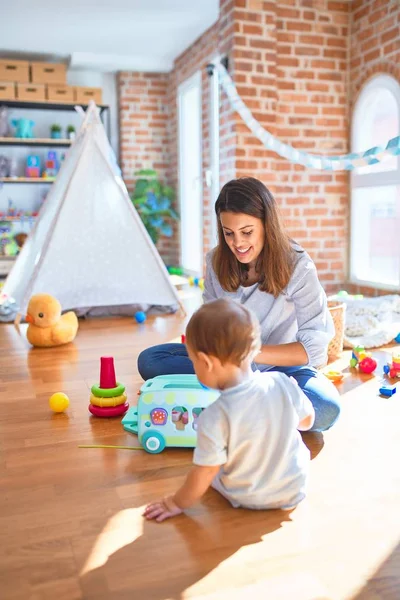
(335, 376)
(32, 168)
(140, 317)
(387, 390)
(363, 360)
(59, 402)
(108, 399)
(175, 270)
(167, 411)
(51, 164)
(47, 326)
(393, 369)
(23, 128)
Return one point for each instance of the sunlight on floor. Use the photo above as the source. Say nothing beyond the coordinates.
(122, 529)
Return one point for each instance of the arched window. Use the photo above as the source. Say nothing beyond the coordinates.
(375, 189)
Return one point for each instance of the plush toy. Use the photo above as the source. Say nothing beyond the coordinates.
(4, 166)
(47, 326)
(4, 126)
(23, 128)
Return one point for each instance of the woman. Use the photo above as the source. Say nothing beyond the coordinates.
(258, 265)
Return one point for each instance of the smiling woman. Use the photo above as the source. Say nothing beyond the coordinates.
(257, 264)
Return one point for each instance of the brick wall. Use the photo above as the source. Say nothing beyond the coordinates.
(291, 70)
(298, 65)
(375, 41)
(144, 116)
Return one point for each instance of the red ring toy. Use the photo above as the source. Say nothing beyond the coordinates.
(110, 411)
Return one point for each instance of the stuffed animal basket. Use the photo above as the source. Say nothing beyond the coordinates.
(338, 313)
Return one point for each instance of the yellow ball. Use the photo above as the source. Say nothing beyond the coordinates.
(59, 402)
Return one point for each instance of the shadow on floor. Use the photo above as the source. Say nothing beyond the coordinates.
(170, 557)
(385, 583)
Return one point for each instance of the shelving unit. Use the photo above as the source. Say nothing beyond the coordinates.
(25, 180)
(11, 141)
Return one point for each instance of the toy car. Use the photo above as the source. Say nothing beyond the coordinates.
(167, 411)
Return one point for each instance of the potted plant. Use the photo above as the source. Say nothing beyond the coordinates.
(152, 199)
(71, 132)
(55, 131)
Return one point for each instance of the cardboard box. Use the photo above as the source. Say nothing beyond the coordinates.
(7, 90)
(30, 92)
(14, 70)
(48, 73)
(60, 93)
(83, 95)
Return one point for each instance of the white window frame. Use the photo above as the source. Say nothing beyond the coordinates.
(372, 179)
(194, 81)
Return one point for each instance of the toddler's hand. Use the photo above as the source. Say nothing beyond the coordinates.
(165, 509)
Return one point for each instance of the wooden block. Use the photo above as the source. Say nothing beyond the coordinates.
(7, 90)
(60, 93)
(31, 92)
(83, 95)
(14, 70)
(48, 73)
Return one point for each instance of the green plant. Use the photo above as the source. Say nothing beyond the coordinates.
(152, 199)
(55, 127)
(70, 129)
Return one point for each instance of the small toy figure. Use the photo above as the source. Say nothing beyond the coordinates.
(393, 369)
(387, 390)
(23, 128)
(47, 326)
(108, 399)
(51, 165)
(32, 168)
(363, 360)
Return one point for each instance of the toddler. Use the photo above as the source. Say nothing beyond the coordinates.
(248, 444)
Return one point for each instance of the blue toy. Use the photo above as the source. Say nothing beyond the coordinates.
(397, 338)
(32, 168)
(23, 128)
(140, 317)
(387, 390)
(167, 411)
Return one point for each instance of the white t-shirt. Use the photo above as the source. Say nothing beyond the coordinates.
(251, 430)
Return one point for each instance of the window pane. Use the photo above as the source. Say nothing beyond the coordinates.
(376, 122)
(375, 238)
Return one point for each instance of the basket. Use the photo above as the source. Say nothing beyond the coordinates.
(338, 311)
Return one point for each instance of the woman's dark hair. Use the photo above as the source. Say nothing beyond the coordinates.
(276, 261)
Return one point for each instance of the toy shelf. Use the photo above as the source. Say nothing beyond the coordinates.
(25, 180)
(10, 141)
(49, 105)
(7, 218)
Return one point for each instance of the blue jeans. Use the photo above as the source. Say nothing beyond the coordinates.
(172, 359)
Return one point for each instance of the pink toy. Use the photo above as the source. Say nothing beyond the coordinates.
(112, 411)
(107, 373)
(108, 399)
(367, 365)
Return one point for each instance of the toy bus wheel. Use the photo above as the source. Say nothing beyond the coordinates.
(153, 442)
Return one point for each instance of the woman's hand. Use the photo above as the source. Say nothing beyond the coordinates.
(164, 509)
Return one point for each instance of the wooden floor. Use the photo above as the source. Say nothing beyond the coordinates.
(70, 518)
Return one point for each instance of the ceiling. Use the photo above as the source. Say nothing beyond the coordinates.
(105, 35)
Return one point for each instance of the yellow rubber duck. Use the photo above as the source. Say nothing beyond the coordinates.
(47, 326)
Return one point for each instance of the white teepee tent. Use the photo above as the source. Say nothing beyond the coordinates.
(89, 247)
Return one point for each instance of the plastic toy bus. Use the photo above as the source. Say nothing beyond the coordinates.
(167, 411)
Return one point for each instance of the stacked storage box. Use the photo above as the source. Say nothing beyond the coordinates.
(41, 82)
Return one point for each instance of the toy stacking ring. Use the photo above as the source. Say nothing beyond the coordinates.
(114, 401)
(111, 411)
(107, 392)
